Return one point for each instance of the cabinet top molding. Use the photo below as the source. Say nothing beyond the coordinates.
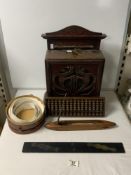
(73, 37)
(74, 31)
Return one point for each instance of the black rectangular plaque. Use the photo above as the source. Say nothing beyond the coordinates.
(73, 147)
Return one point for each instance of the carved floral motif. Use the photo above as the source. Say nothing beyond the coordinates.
(73, 81)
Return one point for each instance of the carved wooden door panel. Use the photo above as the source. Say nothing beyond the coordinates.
(74, 79)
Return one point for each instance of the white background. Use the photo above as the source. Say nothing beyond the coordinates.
(23, 22)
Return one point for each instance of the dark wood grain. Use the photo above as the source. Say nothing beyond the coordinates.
(74, 66)
(74, 36)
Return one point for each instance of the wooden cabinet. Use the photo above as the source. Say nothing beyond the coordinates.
(74, 74)
(74, 69)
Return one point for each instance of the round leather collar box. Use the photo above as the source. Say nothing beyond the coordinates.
(25, 114)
